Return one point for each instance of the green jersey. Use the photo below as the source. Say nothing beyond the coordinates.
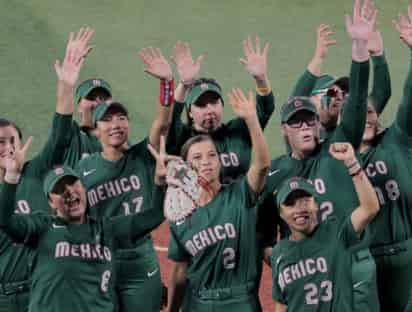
(122, 187)
(232, 139)
(312, 274)
(73, 270)
(218, 240)
(328, 175)
(15, 259)
(380, 93)
(81, 144)
(388, 165)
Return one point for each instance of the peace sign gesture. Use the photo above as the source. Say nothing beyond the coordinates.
(255, 60)
(15, 161)
(162, 158)
(77, 50)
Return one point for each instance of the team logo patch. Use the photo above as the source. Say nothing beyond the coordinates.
(298, 103)
(97, 82)
(294, 185)
(204, 87)
(59, 171)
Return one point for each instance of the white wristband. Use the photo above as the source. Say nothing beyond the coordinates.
(12, 178)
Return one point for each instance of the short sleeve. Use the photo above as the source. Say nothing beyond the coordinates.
(277, 293)
(176, 252)
(347, 234)
(251, 198)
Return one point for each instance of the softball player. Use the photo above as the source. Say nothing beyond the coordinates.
(328, 93)
(386, 158)
(73, 269)
(300, 126)
(204, 108)
(310, 266)
(119, 182)
(16, 260)
(215, 248)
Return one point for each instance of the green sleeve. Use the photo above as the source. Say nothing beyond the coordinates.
(347, 233)
(353, 121)
(277, 293)
(305, 84)
(265, 105)
(53, 152)
(404, 114)
(140, 224)
(176, 251)
(20, 228)
(381, 89)
(178, 132)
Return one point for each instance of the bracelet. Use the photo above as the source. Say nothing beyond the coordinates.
(166, 96)
(353, 174)
(264, 90)
(12, 178)
(354, 169)
(187, 84)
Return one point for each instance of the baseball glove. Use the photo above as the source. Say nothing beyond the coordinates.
(182, 192)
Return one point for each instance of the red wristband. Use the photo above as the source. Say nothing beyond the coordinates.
(166, 96)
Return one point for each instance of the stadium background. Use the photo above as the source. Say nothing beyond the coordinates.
(34, 34)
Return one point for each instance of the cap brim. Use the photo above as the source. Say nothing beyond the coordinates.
(57, 179)
(297, 110)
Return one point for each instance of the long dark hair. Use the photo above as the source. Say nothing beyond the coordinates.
(8, 123)
(195, 84)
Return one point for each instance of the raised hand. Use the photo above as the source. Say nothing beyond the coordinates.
(404, 26)
(362, 23)
(77, 50)
(155, 63)
(162, 158)
(187, 68)
(242, 106)
(343, 152)
(324, 41)
(255, 59)
(14, 163)
(375, 43)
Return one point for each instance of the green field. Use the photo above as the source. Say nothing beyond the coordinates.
(34, 35)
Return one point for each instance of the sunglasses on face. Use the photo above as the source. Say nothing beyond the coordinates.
(335, 92)
(298, 122)
(92, 96)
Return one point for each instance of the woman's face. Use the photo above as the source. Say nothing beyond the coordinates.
(113, 129)
(299, 211)
(302, 132)
(68, 199)
(207, 112)
(204, 158)
(9, 139)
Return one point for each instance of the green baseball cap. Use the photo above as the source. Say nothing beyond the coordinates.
(291, 185)
(89, 85)
(102, 108)
(324, 82)
(294, 105)
(55, 175)
(198, 89)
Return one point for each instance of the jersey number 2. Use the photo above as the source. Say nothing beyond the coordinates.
(229, 258)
